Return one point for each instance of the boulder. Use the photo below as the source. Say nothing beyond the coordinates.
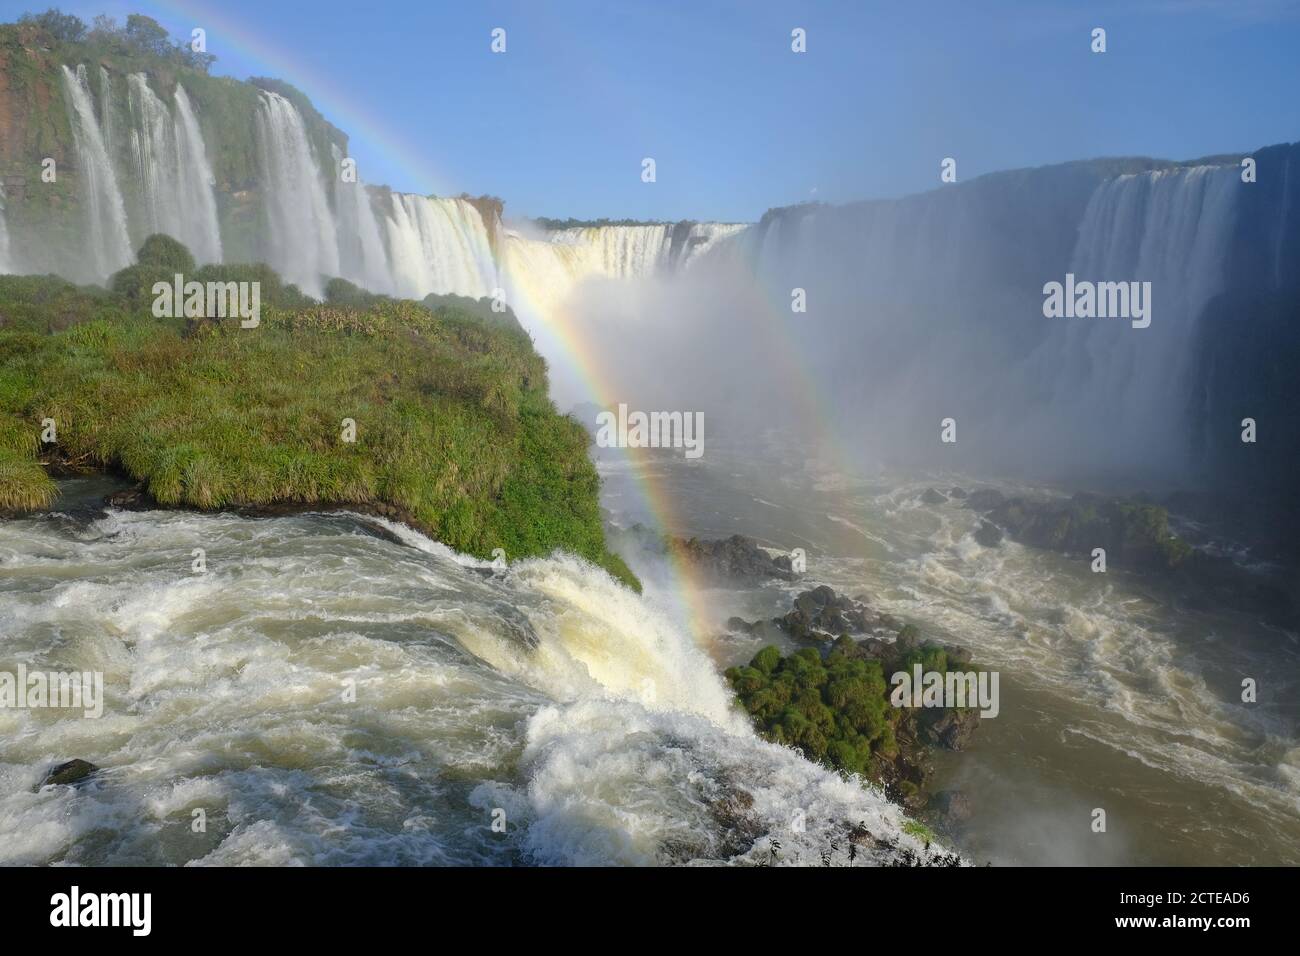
(988, 534)
(70, 773)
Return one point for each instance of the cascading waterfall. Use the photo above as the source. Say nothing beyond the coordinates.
(108, 245)
(543, 271)
(4, 237)
(618, 252)
(200, 182)
(175, 178)
(1128, 388)
(303, 241)
(439, 245)
(362, 257)
(107, 117)
(932, 306)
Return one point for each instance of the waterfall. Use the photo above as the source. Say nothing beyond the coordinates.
(302, 243)
(5, 265)
(198, 180)
(362, 257)
(172, 165)
(439, 245)
(618, 252)
(108, 120)
(1124, 387)
(108, 246)
(543, 271)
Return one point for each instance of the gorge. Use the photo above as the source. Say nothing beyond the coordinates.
(547, 689)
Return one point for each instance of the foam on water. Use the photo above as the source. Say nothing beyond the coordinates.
(545, 689)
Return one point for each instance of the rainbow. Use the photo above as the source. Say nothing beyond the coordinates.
(773, 318)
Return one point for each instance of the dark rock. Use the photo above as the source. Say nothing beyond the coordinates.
(721, 561)
(932, 497)
(737, 558)
(821, 614)
(733, 811)
(950, 728)
(372, 529)
(131, 499)
(956, 492)
(988, 534)
(69, 773)
(957, 656)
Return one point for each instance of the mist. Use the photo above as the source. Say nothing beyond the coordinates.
(858, 330)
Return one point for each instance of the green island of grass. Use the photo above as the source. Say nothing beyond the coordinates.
(454, 431)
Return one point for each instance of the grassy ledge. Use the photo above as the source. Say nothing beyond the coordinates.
(454, 429)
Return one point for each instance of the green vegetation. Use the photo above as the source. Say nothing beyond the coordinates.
(48, 214)
(1133, 533)
(140, 36)
(453, 424)
(836, 711)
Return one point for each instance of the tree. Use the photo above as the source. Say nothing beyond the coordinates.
(147, 35)
(64, 27)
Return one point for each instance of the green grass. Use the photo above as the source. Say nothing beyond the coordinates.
(453, 423)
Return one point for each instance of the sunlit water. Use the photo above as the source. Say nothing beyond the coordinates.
(1113, 696)
(324, 695)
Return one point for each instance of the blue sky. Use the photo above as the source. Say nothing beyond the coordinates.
(736, 122)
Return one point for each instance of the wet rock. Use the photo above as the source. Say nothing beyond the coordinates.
(70, 773)
(373, 529)
(957, 492)
(737, 558)
(932, 497)
(821, 614)
(733, 811)
(130, 499)
(950, 728)
(988, 534)
(958, 656)
(722, 561)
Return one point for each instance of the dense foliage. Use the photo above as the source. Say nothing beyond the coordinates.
(834, 709)
(453, 424)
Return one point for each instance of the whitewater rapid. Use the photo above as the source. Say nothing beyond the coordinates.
(545, 691)
(1115, 693)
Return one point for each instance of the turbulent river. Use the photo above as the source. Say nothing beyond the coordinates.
(334, 691)
(1113, 695)
(339, 690)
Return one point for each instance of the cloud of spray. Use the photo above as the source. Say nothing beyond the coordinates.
(931, 308)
